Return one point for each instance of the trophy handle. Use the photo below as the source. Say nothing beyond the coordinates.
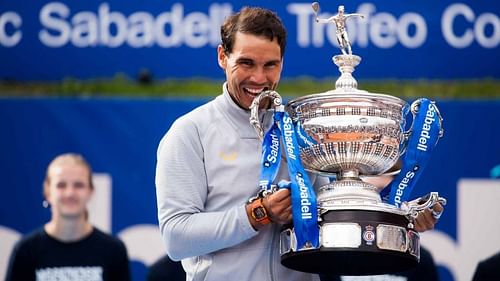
(406, 134)
(413, 207)
(254, 109)
(415, 106)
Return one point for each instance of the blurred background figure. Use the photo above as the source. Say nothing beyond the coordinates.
(488, 269)
(166, 269)
(68, 247)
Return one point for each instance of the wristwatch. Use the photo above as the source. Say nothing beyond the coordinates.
(259, 212)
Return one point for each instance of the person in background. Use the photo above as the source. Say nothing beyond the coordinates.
(488, 269)
(208, 166)
(68, 247)
(165, 269)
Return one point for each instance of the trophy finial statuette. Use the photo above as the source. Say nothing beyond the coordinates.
(340, 23)
(347, 61)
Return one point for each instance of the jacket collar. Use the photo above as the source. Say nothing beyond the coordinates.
(239, 118)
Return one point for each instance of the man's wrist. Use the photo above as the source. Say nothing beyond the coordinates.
(257, 213)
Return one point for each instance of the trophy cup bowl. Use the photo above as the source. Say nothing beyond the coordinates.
(351, 131)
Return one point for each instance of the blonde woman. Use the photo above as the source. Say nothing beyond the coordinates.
(68, 247)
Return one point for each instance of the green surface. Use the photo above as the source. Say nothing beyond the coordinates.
(121, 86)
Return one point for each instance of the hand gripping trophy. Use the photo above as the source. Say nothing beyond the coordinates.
(349, 226)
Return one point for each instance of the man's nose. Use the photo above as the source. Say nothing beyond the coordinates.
(258, 75)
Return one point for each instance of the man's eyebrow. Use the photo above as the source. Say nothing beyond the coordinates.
(244, 59)
(273, 61)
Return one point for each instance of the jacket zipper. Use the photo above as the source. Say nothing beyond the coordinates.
(271, 254)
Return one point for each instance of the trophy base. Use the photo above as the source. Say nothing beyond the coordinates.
(348, 262)
(355, 242)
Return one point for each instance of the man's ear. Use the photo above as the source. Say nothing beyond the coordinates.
(221, 57)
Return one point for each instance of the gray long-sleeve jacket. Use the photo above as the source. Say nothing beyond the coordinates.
(208, 166)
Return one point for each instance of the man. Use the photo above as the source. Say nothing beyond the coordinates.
(209, 163)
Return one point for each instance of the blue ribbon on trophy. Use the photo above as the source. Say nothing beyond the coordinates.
(304, 205)
(271, 157)
(425, 134)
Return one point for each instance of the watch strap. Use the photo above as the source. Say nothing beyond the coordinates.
(259, 212)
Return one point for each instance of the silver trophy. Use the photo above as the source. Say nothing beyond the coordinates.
(354, 134)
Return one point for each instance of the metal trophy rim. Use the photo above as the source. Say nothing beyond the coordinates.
(347, 95)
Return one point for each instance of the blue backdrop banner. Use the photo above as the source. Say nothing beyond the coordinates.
(52, 40)
(119, 137)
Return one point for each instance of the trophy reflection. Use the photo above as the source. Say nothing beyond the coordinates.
(346, 134)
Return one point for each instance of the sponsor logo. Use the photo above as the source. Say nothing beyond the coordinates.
(288, 135)
(305, 202)
(426, 128)
(402, 186)
(275, 146)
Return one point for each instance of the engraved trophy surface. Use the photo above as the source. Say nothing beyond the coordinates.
(351, 133)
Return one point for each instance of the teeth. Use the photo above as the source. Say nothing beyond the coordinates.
(254, 91)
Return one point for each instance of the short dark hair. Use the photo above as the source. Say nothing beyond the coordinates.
(255, 21)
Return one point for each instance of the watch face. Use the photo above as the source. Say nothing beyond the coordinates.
(259, 212)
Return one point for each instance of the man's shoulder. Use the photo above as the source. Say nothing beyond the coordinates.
(201, 114)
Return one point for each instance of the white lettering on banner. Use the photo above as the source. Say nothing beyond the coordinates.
(303, 13)
(60, 27)
(288, 131)
(275, 145)
(401, 187)
(464, 38)
(384, 29)
(140, 29)
(175, 28)
(10, 39)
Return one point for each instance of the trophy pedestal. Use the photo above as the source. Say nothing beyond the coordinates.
(355, 242)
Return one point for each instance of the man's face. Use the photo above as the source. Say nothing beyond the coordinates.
(254, 65)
